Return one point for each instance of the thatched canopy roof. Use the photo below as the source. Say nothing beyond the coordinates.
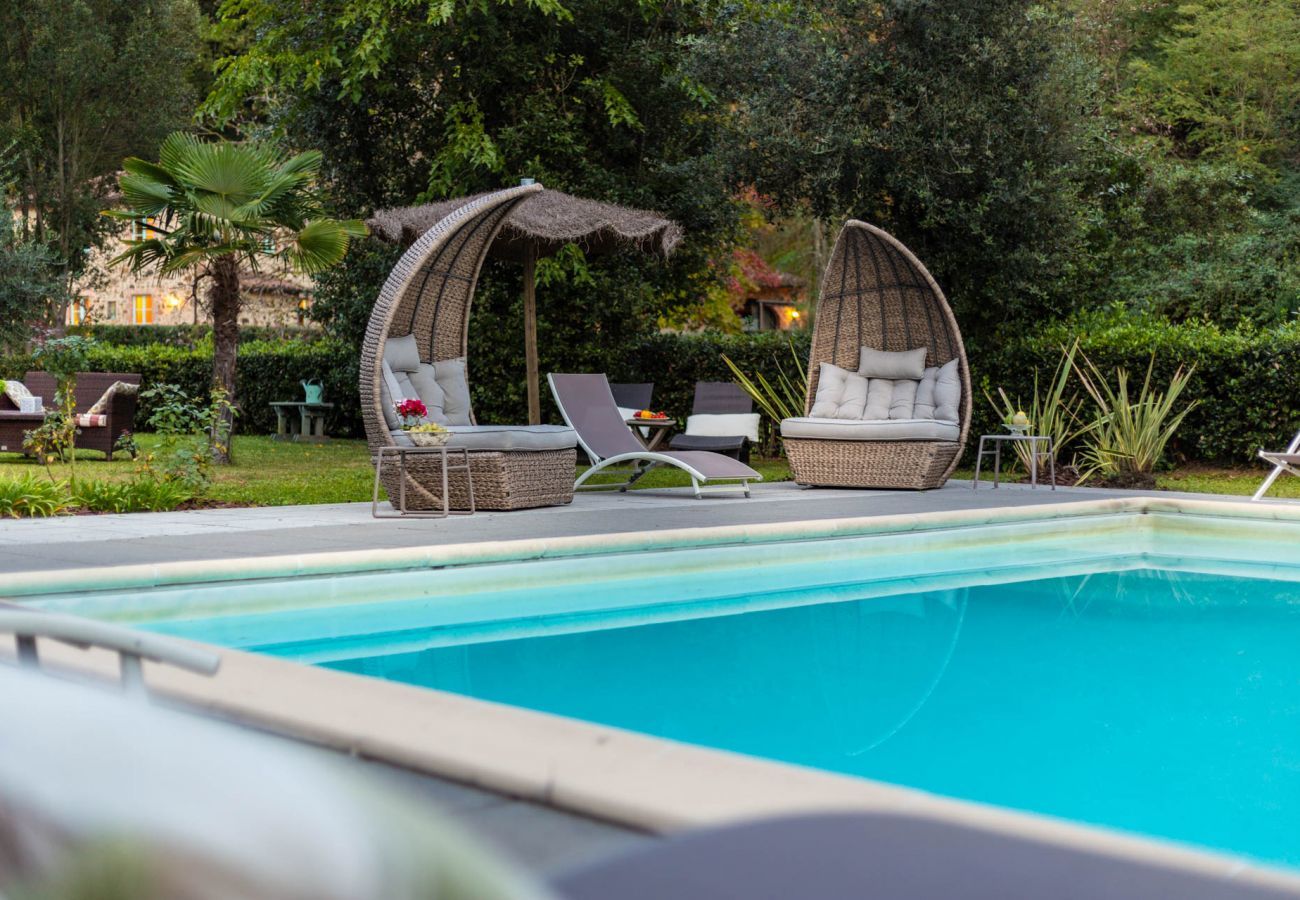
(548, 220)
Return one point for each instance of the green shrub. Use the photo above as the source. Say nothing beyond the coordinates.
(141, 494)
(1244, 383)
(192, 336)
(31, 495)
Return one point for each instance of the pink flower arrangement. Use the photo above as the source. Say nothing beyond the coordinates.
(410, 412)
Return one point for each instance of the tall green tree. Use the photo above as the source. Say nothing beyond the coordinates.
(31, 291)
(590, 98)
(220, 207)
(1225, 81)
(84, 83)
(956, 126)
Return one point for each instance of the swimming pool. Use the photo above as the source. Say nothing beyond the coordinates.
(1136, 671)
(1157, 702)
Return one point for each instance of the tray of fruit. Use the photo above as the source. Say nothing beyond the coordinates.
(647, 414)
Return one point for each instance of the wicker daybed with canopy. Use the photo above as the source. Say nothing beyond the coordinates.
(419, 331)
(903, 425)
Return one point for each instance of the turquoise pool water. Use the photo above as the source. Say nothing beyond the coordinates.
(1153, 701)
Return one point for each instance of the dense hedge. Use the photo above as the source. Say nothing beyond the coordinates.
(190, 335)
(1246, 380)
(267, 371)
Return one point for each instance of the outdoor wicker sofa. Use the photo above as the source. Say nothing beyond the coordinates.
(99, 432)
(416, 346)
(880, 307)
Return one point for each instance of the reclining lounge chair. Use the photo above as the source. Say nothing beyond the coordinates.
(588, 408)
(1286, 461)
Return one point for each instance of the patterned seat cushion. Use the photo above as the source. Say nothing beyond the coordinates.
(90, 420)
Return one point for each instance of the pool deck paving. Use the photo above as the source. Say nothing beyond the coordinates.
(34, 545)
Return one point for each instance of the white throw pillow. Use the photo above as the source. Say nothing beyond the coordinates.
(841, 394)
(390, 393)
(947, 392)
(724, 425)
(891, 365)
(903, 401)
(425, 382)
(15, 391)
(100, 406)
(880, 394)
(402, 353)
(923, 408)
(450, 374)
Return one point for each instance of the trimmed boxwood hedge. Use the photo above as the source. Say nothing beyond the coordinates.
(1246, 380)
(190, 335)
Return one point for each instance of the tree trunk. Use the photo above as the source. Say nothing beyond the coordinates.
(224, 296)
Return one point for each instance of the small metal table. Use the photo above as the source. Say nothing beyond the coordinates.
(1032, 439)
(308, 426)
(658, 430)
(446, 465)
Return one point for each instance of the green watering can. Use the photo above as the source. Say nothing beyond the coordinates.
(313, 390)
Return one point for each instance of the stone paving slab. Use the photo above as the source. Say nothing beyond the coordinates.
(57, 544)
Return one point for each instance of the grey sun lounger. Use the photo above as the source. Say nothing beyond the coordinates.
(1286, 461)
(880, 856)
(588, 407)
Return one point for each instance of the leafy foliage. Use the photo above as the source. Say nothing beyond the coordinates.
(955, 127)
(1053, 411)
(213, 199)
(1225, 80)
(31, 291)
(1131, 432)
(184, 427)
(87, 82)
(591, 99)
(141, 494)
(28, 495)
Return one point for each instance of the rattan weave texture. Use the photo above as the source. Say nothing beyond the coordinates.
(429, 294)
(876, 294)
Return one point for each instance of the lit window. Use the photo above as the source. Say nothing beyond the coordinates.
(140, 231)
(110, 310)
(76, 312)
(143, 309)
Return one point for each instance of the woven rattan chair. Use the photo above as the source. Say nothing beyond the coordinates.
(877, 294)
(429, 294)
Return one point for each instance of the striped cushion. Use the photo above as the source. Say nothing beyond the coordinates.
(87, 420)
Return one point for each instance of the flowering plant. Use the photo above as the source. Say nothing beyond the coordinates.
(410, 412)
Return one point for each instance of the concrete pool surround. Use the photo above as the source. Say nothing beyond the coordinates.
(631, 778)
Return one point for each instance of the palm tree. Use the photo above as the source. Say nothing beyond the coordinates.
(218, 206)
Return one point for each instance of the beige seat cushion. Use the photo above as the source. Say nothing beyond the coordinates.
(502, 438)
(512, 437)
(870, 430)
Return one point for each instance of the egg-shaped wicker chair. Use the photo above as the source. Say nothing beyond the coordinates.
(429, 294)
(876, 294)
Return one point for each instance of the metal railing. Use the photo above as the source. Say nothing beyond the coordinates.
(131, 646)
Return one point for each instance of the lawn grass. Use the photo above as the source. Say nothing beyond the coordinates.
(266, 472)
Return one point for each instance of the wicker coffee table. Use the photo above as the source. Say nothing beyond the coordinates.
(399, 503)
